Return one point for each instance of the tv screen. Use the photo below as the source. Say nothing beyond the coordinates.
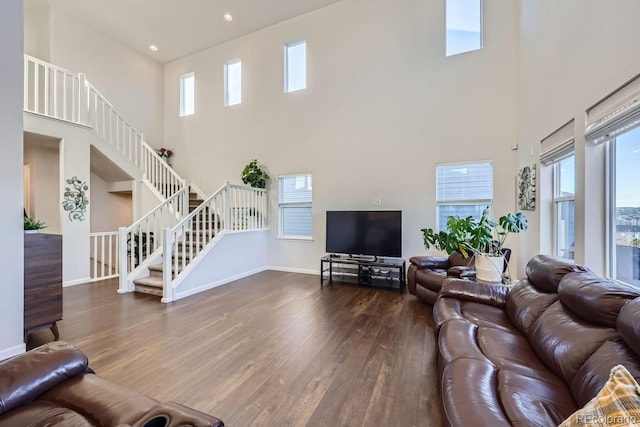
(377, 233)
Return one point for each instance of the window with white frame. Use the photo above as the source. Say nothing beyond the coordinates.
(233, 82)
(463, 189)
(557, 152)
(564, 183)
(464, 26)
(187, 94)
(295, 65)
(615, 120)
(294, 204)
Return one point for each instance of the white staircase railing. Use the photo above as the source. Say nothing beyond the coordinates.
(144, 237)
(104, 255)
(54, 92)
(231, 208)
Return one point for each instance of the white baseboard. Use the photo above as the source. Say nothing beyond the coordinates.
(217, 283)
(294, 270)
(76, 282)
(12, 351)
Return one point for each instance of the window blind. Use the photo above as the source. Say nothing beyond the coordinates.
(464, 182)
(617, 113)
(558, 145)
(295, 188)
(295, 197)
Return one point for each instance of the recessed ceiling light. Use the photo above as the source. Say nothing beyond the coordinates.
(228, 17)
(153, 47)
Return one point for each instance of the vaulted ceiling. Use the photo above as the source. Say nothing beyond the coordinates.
(180, 27)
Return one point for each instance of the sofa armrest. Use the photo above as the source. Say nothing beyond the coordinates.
(176, 415)
(462, 272)
(467, 290)
(26, 376)
(432, 262)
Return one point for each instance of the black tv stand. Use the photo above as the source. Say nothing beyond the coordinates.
(374, 272)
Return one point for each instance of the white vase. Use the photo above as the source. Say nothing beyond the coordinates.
(31, 231)
(489, 268)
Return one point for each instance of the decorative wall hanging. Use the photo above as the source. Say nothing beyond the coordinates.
(75, 198)
(527, 188)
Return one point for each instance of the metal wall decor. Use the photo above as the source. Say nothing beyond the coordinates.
(75, 199)
(527, 188)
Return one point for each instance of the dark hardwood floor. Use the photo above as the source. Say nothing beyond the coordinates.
(270, 349)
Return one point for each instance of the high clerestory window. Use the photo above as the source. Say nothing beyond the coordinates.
(187, 95)
(233, 82)
(464, 26)
(295, 66)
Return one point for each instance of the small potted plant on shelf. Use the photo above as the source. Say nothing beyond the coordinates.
(483, 238)
(255, 175)
(164, 154)
(33, 225)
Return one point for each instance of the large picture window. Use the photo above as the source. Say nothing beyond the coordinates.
(295, 209)
(463, 189)
(625, 209)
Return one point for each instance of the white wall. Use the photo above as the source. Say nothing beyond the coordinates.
(75, 161)
(37, 27)
(382, 107)
(45, 184)
(131, 82)
(109, 211)
(12, 242)
(572, 54)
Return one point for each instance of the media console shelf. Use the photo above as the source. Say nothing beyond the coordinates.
(384, 273)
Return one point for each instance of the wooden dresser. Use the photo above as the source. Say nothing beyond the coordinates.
(42, 282)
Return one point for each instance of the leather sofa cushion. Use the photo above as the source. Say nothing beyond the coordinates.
(546, 271)
(526, 303)
(593, 298)
(628, 324)
(476, 313)
(98, 399)
(431, 278)
(28, 375)
(595, 372)
(531, 401)
(456, 258)
(564, 341)
(43, 414)
(430, 262)
(469, 394)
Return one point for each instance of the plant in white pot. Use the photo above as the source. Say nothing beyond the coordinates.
(488, 239)
(33, 225)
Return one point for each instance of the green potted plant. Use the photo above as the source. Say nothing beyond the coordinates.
(255, 175)
(33, 225)
(483, 238)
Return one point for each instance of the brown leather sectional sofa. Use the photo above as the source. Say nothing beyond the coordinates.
(52, 385)
(532, 355)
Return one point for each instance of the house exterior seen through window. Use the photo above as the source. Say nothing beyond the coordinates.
(463, 189)
(625, 207)
(187, 94)
(295, 58)
(564, 183)
(233, 82)
(464, 26)
(294, 205)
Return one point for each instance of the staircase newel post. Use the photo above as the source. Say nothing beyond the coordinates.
(167, 276)
(124, 264)
(83, 101)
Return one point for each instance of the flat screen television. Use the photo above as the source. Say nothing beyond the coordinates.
(376, 233)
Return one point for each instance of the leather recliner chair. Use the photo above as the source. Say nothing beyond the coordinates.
(427, 273)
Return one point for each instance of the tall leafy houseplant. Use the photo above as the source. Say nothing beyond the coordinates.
(483, 238)
(255, 175)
